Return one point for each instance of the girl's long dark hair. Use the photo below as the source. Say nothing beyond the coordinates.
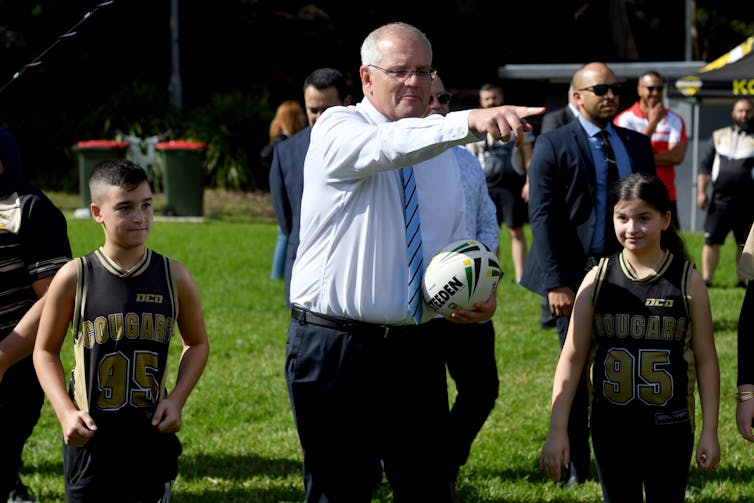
(650, 189)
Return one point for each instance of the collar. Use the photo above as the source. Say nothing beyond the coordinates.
(593, 129)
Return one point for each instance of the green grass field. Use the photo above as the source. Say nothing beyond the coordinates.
(240, 444)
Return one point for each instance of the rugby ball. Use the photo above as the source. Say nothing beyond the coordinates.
(460, 275)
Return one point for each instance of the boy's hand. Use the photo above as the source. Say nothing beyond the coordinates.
(78, 428)
(167, 416)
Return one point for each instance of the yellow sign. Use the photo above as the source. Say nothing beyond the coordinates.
(737, 53)
(743, 87)
(688, 86)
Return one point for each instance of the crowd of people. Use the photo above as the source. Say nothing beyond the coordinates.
(597, 189)
(352, 188)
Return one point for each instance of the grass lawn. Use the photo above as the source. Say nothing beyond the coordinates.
(239, 441)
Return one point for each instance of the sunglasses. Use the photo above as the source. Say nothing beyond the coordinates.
(602, 89)
(442, 98)
(659, 89)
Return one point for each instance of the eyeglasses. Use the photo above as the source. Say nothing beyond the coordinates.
(651, 89)
(442, 98)
(404, 75)
(602, 89)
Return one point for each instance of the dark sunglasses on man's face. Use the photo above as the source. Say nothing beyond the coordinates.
(443, 98)
(601, 89)
(659, 89)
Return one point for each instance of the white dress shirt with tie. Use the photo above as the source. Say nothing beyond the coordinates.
(351, 261)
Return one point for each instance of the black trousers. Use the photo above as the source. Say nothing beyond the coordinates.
(362, 401)
(469, 351)
(21, 399)
(636, 460)
(578, 420)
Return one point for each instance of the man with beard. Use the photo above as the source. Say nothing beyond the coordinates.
(664, 127)
(727, 162)
(569, 182)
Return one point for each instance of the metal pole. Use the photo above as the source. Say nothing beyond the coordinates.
(176, 86)
(694, 162)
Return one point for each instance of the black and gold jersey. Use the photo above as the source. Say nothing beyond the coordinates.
(642, 361)
(33, 245)
(122, 325)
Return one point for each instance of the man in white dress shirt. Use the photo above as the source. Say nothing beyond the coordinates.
(366, 383)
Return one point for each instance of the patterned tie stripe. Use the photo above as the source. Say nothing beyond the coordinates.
(611, 242)
(413, 242)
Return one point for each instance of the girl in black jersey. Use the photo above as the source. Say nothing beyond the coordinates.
(123, 303)
(642, 322)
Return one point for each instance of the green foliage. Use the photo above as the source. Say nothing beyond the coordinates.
(240, 444)
(138, 108)
(234, 126)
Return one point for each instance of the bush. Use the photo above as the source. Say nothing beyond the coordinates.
(234, 126)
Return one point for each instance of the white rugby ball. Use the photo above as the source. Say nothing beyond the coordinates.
(460, 275)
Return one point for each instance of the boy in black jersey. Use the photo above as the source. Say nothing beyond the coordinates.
(123, 302)
(642, 322)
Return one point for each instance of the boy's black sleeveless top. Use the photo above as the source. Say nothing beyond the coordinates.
(123, 322)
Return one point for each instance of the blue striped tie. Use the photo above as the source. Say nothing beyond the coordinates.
(414, 243)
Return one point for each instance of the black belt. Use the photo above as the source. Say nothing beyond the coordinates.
(305, 316)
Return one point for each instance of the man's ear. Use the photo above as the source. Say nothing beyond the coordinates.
(366, 78)
(348, 100)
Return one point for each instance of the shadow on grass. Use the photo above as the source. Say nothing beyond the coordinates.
(239, 470)
(728, 477)
(236, 467)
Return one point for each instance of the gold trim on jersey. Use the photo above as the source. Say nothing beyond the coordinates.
(630, 272)
(116, 269)
(79, 392)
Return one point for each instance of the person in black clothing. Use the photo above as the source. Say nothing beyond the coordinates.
(121, 304)
(33, 246)
(568, 187)
(642, 325)
(553, 120)
(727, 164)
(745, 380)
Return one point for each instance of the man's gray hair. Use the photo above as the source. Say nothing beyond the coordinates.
(370, 54)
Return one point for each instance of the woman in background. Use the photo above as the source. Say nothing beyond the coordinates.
(289, 119)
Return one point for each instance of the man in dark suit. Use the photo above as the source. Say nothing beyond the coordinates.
(561, 116)
(553, 120)
(568, 213)
(323, 88)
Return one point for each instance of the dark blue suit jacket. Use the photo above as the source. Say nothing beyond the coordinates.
(286, 187)
(556, 118)
(562, 198)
